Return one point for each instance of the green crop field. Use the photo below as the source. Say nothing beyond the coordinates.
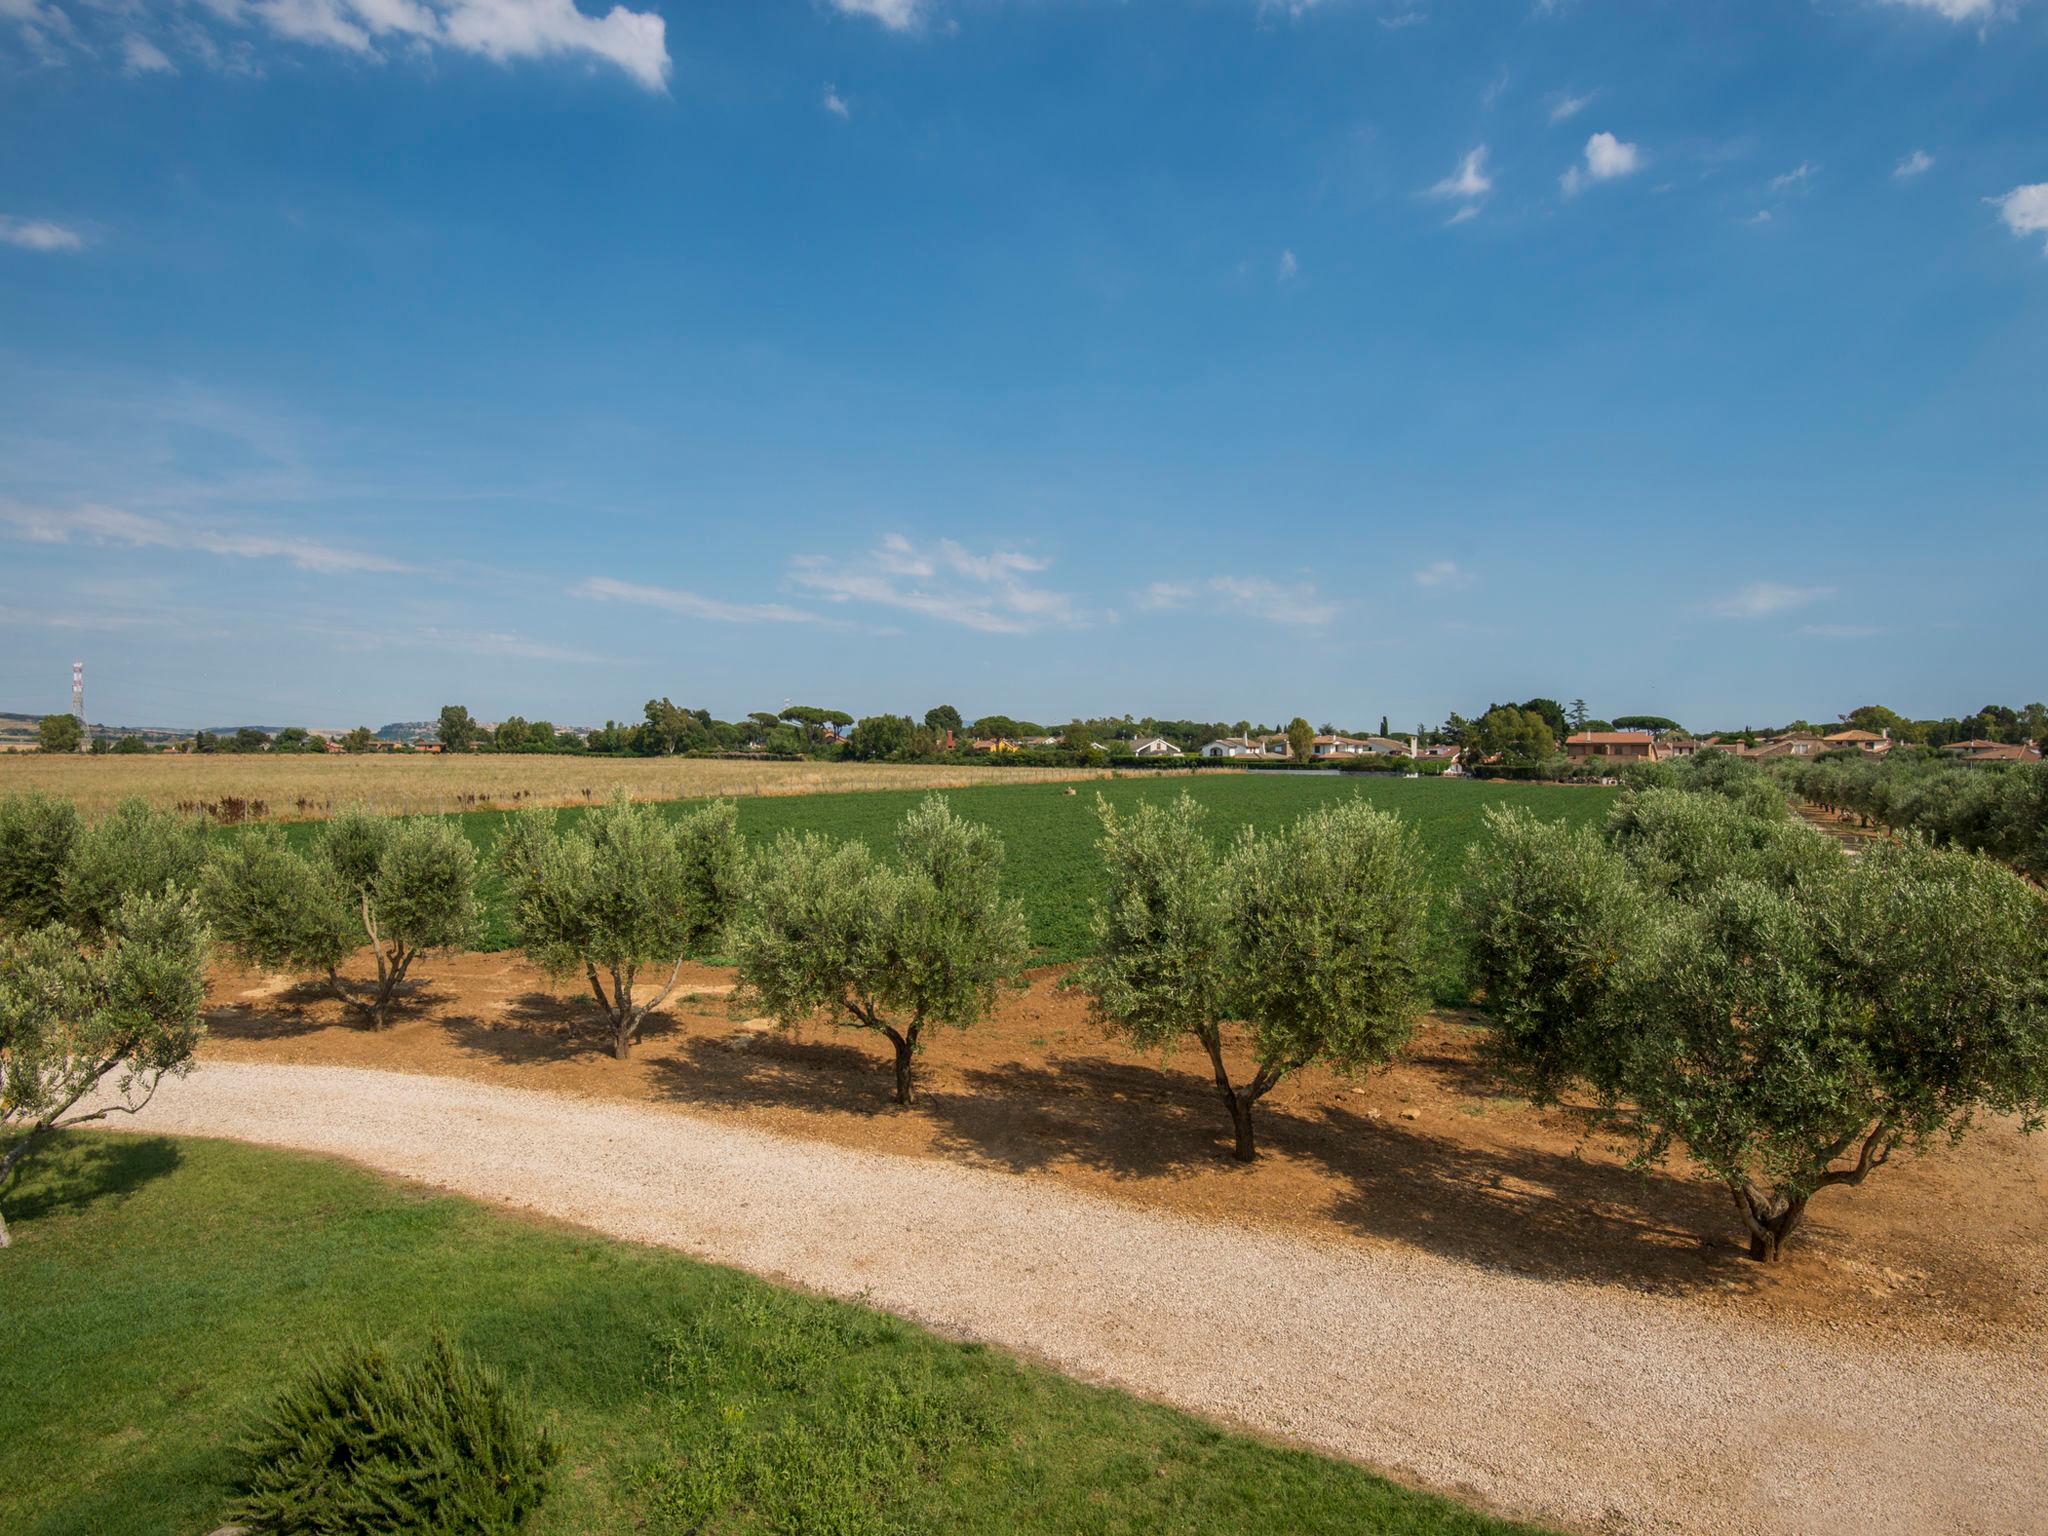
(160, 1291)
(1050, 835)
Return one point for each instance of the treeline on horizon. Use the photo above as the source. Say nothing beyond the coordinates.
(1522, 737)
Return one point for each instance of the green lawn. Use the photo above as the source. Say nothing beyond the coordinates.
(159, 1290)
(1050, 835)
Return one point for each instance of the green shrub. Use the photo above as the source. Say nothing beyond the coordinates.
(366, 1442)
(36, 834)
(135, 851)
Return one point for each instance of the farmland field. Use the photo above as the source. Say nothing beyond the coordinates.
(161, 1290)
(1050, 835)
(297, 786)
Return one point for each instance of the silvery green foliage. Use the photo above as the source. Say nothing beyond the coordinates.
(621, 887)
(1745, 991)
(1311, 940)
(134, 849)
(75, 1014)
(404, 888)
(36, 838)
(894, 948)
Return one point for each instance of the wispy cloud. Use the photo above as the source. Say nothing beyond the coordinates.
(692, 605)
(91, 524)
(139, 56)
(896, 15)
(993, 593)
(1796, 178)
(1955, 10)
(2024, 209)
(503, 31)
(1298, 603)
(835, 103)
(1568, 106)
(1445, 574)
(1761, 599)
(1914, 165)
(1606, 159)
(1288, 269)
(1469, 181)
(38, 234)
(1401, 20)
(516, 647)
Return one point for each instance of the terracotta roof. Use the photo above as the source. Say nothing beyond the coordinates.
(1610, 738)
(1857, 736)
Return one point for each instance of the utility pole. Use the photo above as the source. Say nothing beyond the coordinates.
(78, 702)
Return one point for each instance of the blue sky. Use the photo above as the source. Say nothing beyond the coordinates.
(1217, 359)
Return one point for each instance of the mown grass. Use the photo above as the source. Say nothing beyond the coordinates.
(1051, 862)
(160, 1290)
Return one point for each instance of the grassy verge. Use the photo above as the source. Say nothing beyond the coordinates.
(159, 1289)
(1050, 835)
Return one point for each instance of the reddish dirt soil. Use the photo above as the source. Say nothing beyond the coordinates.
(1945, 1246)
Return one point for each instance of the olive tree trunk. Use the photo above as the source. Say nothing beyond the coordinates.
(905, 1042)
(625, 1013)
(1240, 1100)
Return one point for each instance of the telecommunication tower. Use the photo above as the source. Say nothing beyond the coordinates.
(78, 700)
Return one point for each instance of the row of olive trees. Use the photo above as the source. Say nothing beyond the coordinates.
(1996, 810)
(1710, 974)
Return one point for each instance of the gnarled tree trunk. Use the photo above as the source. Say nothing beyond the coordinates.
(905, 1042)
(1240, 1100)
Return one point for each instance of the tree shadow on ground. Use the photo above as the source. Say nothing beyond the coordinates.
(776, 1069)
(75, 1170)
(307, 1007)
(1555, 1215)
(539, 1028)
(1531, 1209)
(1123, 1118)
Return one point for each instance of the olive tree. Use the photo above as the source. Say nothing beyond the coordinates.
(36, 837)
(404, 888)
(136, 848)
(74, 1013)
(620, 888)
(893, 948)
(1789, 1034)
(1311, 939)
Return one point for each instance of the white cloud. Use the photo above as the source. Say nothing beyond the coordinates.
(2024, 209)
(1403, 19)
(1469, 211)
(502, 31)
(1916, 164)
(1468, 181)
(1277, 602)
(142, 57)
(835, 103)
(39, 235)
(896, 15)
(1955, 10)
(1288, 269)
(1607, 159)
(1761, 599)
(1797, 177)
(692, 605)
(1568, 107)
(1446, 574)
(91, 524)
(1761, 216)
(946, 581)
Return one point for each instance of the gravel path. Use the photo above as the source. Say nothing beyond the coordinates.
(1594, 1409)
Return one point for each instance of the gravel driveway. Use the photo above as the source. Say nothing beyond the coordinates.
(1587, 1407)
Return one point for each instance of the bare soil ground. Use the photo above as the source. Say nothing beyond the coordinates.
(1947, 1247)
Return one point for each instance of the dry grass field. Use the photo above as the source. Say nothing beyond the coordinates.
(295, 787)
